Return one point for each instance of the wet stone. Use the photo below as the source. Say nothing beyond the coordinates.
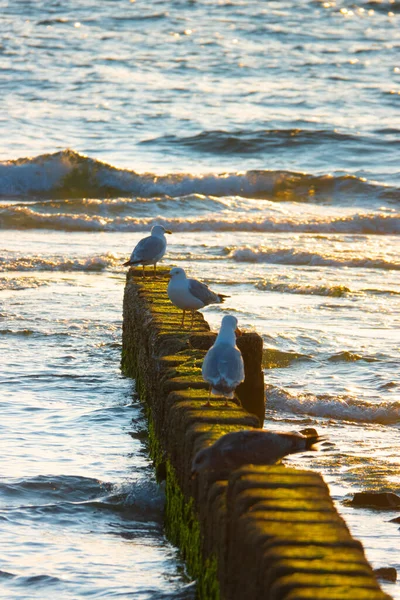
(383, 500)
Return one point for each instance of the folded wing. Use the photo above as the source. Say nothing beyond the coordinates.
(147, 249)
(202, 292)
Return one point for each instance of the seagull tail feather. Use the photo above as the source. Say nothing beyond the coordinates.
(129, 263)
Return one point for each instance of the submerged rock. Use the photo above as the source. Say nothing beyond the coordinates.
(376, 499)
(386, 574)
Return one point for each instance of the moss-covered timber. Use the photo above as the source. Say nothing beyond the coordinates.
(268, 532)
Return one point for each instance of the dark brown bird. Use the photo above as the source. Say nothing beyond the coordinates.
(251, 446)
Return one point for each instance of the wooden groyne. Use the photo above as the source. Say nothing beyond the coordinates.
(268, 532)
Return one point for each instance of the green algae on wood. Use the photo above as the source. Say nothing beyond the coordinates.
(265, 530)
(183, 529)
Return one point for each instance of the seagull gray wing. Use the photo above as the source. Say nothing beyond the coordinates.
(147, 249)
(223, 362)
(202, 292)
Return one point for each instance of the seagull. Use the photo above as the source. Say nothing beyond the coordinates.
(251, 446)
(149, 250)
(223, 366)
(190, 294)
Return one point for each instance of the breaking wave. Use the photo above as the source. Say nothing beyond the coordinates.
(340, 408)
(39, 263)
(70, 174)
(130, 218)
(335, 291)
(291, 256)
(144, 498)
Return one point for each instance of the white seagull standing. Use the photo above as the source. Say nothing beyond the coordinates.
(150, 249)
(251, 446)
(190, 294)
(223, 366)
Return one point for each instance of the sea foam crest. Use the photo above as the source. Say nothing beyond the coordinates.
(109, 218)
(40, 263)
(292, 256)
(70, 174)
(333, 407)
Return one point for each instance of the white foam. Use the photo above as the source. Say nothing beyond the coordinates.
(291, 256)
(109, 218)
(31, 175)
(333, 407)
(39, 263)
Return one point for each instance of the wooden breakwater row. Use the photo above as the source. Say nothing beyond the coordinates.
(268, 532)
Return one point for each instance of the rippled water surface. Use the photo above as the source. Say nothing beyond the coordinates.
(266, 137)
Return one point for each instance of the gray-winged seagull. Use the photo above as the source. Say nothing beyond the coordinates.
(190, 294)
(250, 446)
(150, 249)
(223, 366)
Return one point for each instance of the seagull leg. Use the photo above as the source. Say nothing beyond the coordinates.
(191, 324)
(143, 271)
(183, 319)
(232, 399)
(208, 403)
(154, 272)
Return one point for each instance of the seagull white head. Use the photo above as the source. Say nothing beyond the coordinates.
(177, 273)
(229, 322)
(159, 230)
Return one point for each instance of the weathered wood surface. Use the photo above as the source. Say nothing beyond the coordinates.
(269, 532)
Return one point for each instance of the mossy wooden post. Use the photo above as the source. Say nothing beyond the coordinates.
(266, 532)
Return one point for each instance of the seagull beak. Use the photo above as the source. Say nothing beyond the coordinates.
(167, 231)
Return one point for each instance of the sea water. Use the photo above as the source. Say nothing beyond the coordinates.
(265, 135)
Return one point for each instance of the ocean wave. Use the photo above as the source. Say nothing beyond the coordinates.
(38, 263)
(347, 356)
(291, 256)
(119, 207)
(381, 292)
(392, 6)
(21, 283)
(69, 174)
(340, 408)
(35, 333)
(41, 488)
(273, 358)
(336, 291)
(43, 493)
(250, 142)
(24, 216)
(17, 332)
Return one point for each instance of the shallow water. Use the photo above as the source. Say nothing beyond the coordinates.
(80, 512)
(266, 137)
